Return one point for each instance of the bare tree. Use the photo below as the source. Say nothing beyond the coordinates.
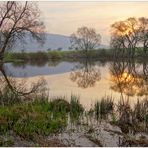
(85, 39)
(17, 19)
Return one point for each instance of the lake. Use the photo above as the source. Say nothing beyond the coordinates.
(90, 80)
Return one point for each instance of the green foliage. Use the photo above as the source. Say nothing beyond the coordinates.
(103, 107)
(141, 110)
(76, 109)
(38, 123)
(23, 56)
(30, 119)
(60, 105)
(114, 118)
(75, 106)
(55, 54)
(42, 117)
(42, 57)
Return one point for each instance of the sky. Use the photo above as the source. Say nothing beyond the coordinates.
(65, 17)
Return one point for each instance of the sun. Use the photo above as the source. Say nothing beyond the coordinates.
(126, 77)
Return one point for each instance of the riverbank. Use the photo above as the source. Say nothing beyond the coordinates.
(66, 123)
(43, 57)
(69, 55)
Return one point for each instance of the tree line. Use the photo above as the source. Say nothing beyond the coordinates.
(19, 18)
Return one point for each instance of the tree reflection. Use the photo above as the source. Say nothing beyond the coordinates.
(39, 63)
(129, 78)
(13, 89)
(85, 74)
(53, 63)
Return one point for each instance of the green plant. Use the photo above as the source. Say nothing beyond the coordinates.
(113, 118)
(75, 106)
(59, 105)
(103, 107)
(54, 54)
(32, 118)
(8, 97)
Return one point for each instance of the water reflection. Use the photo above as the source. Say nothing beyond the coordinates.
(23, 64)
(12, 91)
(29, 70)
(41, 63)
(85, 74)
(118, 77)
(129, 78)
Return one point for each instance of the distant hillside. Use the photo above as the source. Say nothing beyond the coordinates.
(52, 41)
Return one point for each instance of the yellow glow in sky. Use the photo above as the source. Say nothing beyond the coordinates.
(65, 17)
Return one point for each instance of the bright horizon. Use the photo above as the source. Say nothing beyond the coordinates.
(65, 17)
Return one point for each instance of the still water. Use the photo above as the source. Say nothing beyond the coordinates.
(90, 80)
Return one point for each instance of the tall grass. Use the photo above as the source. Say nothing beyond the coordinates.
(103, 107)
(7, 97)
(44, 117)
(141, 112)
(76, 109)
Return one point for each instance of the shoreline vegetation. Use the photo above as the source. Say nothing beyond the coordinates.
(70, 55)
(43, 117)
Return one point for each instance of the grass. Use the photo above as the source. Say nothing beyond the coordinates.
(76, 109)
(56, 55)
(32, 118)
(40, 117)
(141, 110)
(7, 97)
(43, 117)
(40, 56)
(103, 107)
(22, 56)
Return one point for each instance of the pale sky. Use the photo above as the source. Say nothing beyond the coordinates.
(65, 17)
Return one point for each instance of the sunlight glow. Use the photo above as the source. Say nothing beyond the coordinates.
(99, 15)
